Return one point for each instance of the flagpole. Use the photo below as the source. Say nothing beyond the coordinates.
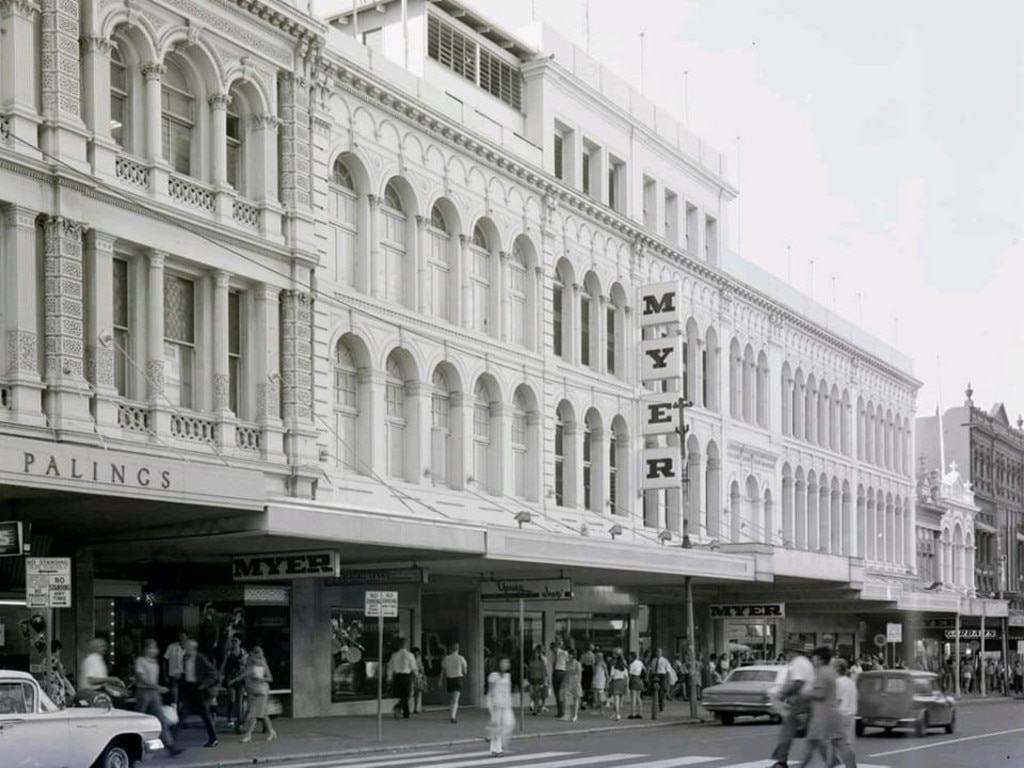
(938, 412)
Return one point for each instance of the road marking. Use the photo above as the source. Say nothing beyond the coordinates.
(793, 763)
(678, 762)
(464, 760)
(588, 760)
(944, 742)
(361, 760)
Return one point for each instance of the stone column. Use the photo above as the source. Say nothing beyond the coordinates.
(267, 370)
(421, 295)
(573, 466)
(96, 109)
(501, 329)
(297, 391)
(221, 376)
(296, 170)
(601, 363)
(599, 500)
(376, 275)
(63, 132)
(572, 317)
(461, 446)
(21, 303)
(263, 186)
(464, 296)
(18, 76)
(155, 328)
(67, 396)
(153, 74)
(500, 482)
(99, 328)
(218, 139)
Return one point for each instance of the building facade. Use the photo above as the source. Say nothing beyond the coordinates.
(281, 291)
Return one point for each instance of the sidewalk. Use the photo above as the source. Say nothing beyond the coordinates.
(332, 736)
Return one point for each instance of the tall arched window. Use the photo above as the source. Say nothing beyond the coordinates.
(394, 418)
(588, 466)
(177, 118)
(120, 103)
(557, 315)
(517, 277)
(393, 237)
(235, 138)
(346, 407)
(520, 447)
(586, 326)
(482, 439)
(613, 472)
(341, 201)
(480, 279)
(559, 460)
(438, 264)
(440, 429)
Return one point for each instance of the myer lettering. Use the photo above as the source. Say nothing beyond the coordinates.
(766, 610)
(95, 471)
(295, 565)
(660, 305)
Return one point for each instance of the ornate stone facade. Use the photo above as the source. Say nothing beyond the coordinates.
(62, 297)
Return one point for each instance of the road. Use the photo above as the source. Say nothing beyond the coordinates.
(988, 735)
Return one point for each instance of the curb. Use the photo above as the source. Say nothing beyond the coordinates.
(399, 748)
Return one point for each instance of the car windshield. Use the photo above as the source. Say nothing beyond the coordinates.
(752, 676)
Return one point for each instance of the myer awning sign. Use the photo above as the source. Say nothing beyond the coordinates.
(526, 589)
(757, 610)
(286, 566)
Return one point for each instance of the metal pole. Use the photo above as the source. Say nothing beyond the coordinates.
(956, 650)
(981, 653)
(691, 640)
(522, 664)
(380, 675)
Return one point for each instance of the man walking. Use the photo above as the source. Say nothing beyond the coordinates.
(175, 658)
(661, 672)
(799, 681)
(401, 668)
(823, 732)
(453, 672)
(560, 658)
(200, 675)
(846, 705)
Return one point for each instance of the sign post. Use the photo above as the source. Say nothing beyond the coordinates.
(48, 586)
(893, 635)
(380, 604)
(522, 664)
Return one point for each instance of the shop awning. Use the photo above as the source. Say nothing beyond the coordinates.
(983, 527)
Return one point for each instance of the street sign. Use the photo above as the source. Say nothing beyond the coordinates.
(1020, 647)
(12, 538)
(381, 604)
(48, 582)
(879, 640)
(893, 633)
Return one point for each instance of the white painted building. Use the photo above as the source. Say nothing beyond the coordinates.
(369, 284)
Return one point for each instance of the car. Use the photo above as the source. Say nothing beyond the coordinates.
(751, 691)
(903, 698)
(36, 733)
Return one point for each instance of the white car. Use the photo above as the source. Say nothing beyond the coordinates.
(752, 690)
(36, 733)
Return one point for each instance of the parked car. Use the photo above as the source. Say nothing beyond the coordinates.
(36, 733)
(903, 698)
(751, 691)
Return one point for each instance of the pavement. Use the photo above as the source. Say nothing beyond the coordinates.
(325, 737)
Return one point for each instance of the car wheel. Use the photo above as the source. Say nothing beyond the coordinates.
(727, 718)
(115, 756)
(921, 725)
(858, 728)
(951, 725)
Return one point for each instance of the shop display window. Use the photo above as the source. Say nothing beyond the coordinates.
(355, 664)
(606, 631)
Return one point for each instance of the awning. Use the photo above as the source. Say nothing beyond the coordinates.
(984, 527)
(1020, 536)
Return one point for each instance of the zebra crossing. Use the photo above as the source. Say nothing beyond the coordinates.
(538, 759)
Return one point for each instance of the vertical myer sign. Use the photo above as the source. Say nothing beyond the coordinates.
(661, 360)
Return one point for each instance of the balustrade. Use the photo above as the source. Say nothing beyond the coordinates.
(248, 438)
(131, 172)
(195, 429)
(190, 193)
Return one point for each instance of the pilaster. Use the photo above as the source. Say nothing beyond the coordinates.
(421, 298)
(376, 266)
(21, 303)
(296, 171)
(96, 106)
(155, 363)
(63, 132)
(266, 369)
(297, 390)
(19, 80)
(99, 329)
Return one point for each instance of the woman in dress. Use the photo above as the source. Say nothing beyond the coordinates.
(537, 675)
(257, 679)
(599, 683)
(499, 705)
(419, 682)
(572, 687)
(637, 672)
(618, 679)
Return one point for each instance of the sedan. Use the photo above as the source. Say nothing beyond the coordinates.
(749, 691)
(36, 733)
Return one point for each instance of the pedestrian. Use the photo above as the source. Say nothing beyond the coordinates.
(149, 693)
(1018, 676)
(453, 672)
(401, 668)
(537, 676)
(794, 698)
(499, 706)
(599, 683)
(209, 632)
(661, 678)
(637, 673)
(174, 655)
(419, 682)
(823, 730)
(58, 687)
(618, 681)
(967, 676)
(572, 688)
(199, 683)
(846, 707)
(587, 661)
(231, 672)
(256, 678)
(559, 658)
(94, 678)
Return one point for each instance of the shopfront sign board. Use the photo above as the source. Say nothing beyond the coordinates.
(894, 632)
(285, 566)
(12, 538)
(526, 589)
(48, 582)
(751, 611)
(381, 604)
(379, 576)
(971, 634)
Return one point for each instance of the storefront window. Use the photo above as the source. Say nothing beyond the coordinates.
(606, 631)
(355, 662)
(501, 638)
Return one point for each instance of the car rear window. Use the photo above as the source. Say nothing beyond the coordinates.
(882, 684)
(923, 686)
(752, 676)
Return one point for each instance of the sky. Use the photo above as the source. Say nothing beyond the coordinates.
(879, 151)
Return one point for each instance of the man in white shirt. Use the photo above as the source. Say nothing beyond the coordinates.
(175, 658)
(454, 669)
(799, 682)
(559, 661)
(401, 668)
(93, 674)
(846, 707)
(661, 669)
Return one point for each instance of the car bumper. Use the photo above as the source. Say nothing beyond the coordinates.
(153, 745)
(887, 722)
(739, 707)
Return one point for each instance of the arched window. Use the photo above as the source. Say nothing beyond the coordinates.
(520, 446)
(394, 417)
(177, 118)
(393, 238)
(613, 473)
(557, 314)
(236, 142)
(438, 264)
(480, 279)
(120, 103)
(440, 429)
(559, 460)
(518, 297)
(482, 442)
(588, 466)
(346, 407)
(342, 202)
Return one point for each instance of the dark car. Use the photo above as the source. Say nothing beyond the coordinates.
(903, 698)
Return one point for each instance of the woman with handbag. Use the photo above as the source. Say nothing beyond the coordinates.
(257, 678)
(149, 694)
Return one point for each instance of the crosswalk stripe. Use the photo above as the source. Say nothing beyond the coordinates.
(763, 762)
(362, 759)
(463, 760)
(677, 762)
(588, 760)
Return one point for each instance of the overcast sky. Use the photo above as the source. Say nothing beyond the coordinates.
(882, 139)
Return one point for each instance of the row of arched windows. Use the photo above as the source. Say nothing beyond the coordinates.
(884, 439)
(748, 385)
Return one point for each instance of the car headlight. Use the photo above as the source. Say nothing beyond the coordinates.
(154, 745)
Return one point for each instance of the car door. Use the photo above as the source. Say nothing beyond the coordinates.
(29, 736)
